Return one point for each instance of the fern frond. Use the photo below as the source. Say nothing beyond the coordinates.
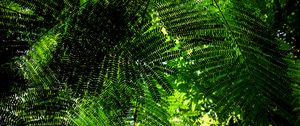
(119, 53)
(89, 112)
(19, 29)
(190, 21)
(151, 113)
(114, 56)
(246, 71)
(8, 114)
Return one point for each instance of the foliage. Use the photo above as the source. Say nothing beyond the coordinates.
(118, 62)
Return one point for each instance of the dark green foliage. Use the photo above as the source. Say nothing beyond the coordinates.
(243, 67)
(99, 53)
(112, 62)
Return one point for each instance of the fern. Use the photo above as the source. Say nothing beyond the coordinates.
(242, 68)
(93, 58)
(113, 58)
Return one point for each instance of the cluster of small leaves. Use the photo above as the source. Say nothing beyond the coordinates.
(99, 48)
(112, 61)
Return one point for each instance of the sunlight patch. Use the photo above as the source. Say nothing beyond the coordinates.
(164, 30)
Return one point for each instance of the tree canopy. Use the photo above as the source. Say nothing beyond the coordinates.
(153, 62)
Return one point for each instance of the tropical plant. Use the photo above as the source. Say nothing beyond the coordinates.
(121, 62)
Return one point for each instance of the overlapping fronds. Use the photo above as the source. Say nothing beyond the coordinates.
(37, 107)
(112, 55)
(142, 110)
(147, 112)
(23, 22)
(8, 113)
(293, 72)
(190, 21)
(101, 48)
(45, 107)
(245, 70)
(89, 112)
